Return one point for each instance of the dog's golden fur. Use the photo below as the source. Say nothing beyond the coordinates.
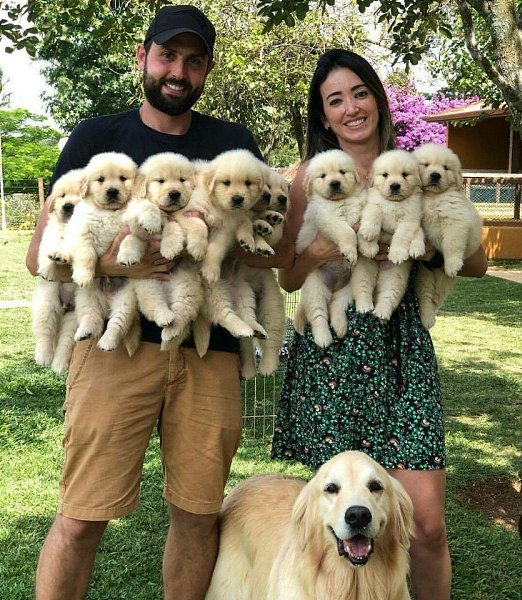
(285, 539)
(392, 214)
(335, 200)
(450, 221)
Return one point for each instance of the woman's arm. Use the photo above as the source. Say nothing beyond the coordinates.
(475, 265)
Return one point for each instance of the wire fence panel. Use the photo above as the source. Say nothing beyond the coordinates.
(496, 198)
(22, 203)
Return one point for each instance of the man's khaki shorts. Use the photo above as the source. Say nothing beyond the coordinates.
(113, 403)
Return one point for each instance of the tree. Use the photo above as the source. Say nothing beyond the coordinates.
(29, 148)
(413, 23)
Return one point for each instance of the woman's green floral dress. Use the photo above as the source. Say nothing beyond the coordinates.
(377, 390)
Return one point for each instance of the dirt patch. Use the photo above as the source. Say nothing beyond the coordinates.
(497, 498)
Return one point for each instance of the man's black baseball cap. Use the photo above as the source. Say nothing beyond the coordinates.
(173, 20)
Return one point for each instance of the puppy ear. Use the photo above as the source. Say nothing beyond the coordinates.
(139, 186)
(51, 201)
(304, 515)
(402, 515)
(307, 183)
(84, 187)
(209, 180)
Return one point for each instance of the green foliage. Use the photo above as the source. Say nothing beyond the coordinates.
(29, 146)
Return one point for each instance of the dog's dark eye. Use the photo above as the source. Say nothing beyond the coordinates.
(404, 174)
(342, 171)
(161, 180)
(226, 182)
(322, 176)
(385, 175)
(446, 168)
(123, 178)
(331, 488)
(375, 486)
(182, 179)
(248, 183)
(101, 179)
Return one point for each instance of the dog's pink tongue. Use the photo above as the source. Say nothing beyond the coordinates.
(358, 546)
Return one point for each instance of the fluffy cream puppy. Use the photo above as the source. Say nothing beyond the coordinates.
(392, 214)
(53, 319)
(344, 535)
(335, 200)
(451, 224)
(162, 190)
(106, 189)
(226, 191)
(269, 212)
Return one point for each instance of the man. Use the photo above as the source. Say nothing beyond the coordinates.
(114, 402)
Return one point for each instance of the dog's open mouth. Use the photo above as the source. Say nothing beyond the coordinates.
(357, 549)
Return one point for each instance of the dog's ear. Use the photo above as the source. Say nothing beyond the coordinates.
(84, 187)
(308, 182)
(304, 515)
(139, 186)
(402, 515)
(209, 180)
(51, 201)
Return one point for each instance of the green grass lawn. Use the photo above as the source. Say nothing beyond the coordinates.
(477, 338)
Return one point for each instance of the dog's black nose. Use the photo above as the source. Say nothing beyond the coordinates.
(237, 200)
(266, 196)
(335, 184)
(174, 196)
(113, 193)
(395, 187)
(358, 517)
(67, 209)
(435, 177)
(282, 200)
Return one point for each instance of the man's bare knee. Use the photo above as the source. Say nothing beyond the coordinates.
(75, 531)
(191, 523)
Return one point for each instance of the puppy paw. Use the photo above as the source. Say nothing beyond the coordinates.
(263, 228)
(211, 274)
(82, 277)
(128, 256)
(107, 343)
(197, 248)
(247, 244)
(273, 217)
(339, 324)
(350, 253)
(382, 312)
(417, 248)
(398, 255)
(163, 317)
(368, 249)
(150, 221)
(369, 231)
(452, 266)
(363, 306)
(170, 247)
(60, 257)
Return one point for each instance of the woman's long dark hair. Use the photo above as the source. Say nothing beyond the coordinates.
(318, 138)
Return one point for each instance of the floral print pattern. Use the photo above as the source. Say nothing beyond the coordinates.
(376, 390)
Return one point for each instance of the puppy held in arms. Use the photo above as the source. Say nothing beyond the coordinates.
(344, 535)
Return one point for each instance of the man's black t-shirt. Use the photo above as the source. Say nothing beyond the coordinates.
(125, 132)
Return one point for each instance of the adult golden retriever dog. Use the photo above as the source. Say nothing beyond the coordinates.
(342, 536)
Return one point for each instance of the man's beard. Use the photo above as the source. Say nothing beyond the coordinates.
(169, 105)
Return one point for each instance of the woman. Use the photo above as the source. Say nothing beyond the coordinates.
(377, 390)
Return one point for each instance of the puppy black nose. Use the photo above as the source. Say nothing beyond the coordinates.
(237, 200)
(68, 208)
(335, 184)
(174, 196)
(113, 193)
(267, 196)
(435, 177)
(395, 187)
(358, 517)
(282, 200)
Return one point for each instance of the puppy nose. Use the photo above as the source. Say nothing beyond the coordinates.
(68, 208)
(266, 196)
(282, 200)
(358, 517)
(113, 193)
(395, 187)
(237, 200)
(174, 196)
(335, 184)
(435, 177)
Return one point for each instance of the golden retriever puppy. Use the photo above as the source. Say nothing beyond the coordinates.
(226, 191)
(392, 214)
(106, 189)
(451, 224)
(162, 190)
(344, 535)
(266, 306)
(53, 319)
(335, 200)
(269, 212)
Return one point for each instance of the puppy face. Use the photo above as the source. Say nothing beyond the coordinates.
(65, 195)
(167, 179)
(439, 168)
(275, 192)
(108, 180)
(395, 174)
(331, 175)
(355, 503)
(235, 180)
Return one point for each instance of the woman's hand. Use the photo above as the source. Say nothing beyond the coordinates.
(152, 266)
(323, 250)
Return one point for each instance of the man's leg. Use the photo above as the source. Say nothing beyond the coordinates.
(190, 554)
(430, 558)
(67, 559)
